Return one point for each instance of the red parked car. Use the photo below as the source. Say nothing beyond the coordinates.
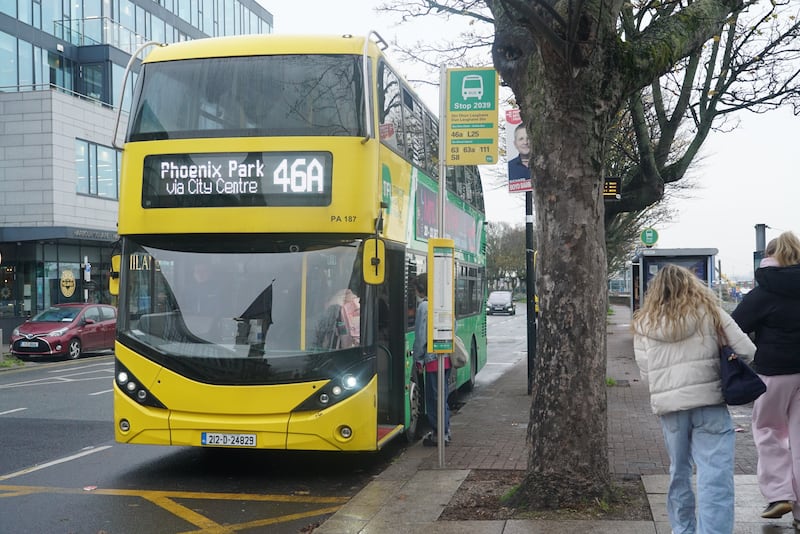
(67, 331)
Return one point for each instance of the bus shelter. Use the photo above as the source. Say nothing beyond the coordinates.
(647, 263)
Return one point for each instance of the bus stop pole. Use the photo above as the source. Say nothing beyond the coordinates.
(441, 384)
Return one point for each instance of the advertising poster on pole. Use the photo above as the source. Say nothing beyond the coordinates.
(518, 153)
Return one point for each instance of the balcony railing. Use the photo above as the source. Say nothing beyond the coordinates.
(98, 30)
(54, 87)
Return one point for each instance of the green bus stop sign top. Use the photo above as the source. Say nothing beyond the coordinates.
(649, 236)
(472, 89)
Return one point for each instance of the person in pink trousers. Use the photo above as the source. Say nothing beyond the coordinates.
(772, 312)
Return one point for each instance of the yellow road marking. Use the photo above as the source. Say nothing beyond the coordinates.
(16, 493)
(272, 521)
(166, 501)
(153, 494)
(185, 513)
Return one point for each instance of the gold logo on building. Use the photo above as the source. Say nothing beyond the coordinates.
(67, 283)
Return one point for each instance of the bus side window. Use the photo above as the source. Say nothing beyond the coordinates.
(391, 130)
(411, 304)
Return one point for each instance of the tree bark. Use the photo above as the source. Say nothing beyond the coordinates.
(569, 396)
(568, 97)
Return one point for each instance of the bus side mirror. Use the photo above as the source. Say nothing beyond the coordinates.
(374, 261)
(113, 280)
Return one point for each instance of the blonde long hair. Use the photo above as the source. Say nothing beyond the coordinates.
(787, 249)
(674, 295)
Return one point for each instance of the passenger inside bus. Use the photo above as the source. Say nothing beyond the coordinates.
(340, 325)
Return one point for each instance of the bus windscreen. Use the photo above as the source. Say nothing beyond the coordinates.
(249, 96)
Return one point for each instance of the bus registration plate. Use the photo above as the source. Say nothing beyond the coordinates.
(216, 439)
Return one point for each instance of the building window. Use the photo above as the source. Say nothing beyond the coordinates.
(24, 12)
(126, 15)
(37, 14)
(60, 71)
(107, 172)
(9, 8)
(185, 10)
(157, 32)
(8, 62)
(93, 80)
(92, 22)
(25, 52)
(97, 169)
(118, 74)
(51, 15)
(229, 17)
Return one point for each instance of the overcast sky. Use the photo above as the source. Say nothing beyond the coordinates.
(746, 177)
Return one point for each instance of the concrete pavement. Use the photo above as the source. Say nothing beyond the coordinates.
(489, 433)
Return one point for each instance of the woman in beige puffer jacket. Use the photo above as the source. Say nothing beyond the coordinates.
(676, 348)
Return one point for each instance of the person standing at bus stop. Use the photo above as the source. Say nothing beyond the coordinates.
(676, 348)
(429, 361)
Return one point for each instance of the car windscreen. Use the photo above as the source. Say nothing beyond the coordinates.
(499, 298)
(56, 315)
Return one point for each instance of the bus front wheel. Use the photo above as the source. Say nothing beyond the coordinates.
(415, 399)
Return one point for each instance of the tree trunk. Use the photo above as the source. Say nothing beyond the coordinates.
(567, 119)
(570, 74)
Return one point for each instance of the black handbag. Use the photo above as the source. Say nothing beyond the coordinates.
(740, 384)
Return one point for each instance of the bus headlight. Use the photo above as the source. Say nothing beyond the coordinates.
(349, 382)
(340, 387)
(133, 389)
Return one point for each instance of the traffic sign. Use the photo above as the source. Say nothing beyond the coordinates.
(471, 116)
(649, 236)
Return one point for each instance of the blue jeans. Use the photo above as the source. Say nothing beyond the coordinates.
(431, 396)
(703, 437)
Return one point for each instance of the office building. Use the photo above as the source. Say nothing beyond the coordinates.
(62, 65)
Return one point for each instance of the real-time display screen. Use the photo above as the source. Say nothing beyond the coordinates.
(697, 264)
(237, 179)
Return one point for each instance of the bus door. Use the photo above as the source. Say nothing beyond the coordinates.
(391, 341)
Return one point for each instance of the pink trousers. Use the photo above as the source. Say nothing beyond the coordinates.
(776, 431)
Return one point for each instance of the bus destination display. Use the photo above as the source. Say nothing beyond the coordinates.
(237, 179)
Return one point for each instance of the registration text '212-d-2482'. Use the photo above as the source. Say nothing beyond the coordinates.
(221, 439)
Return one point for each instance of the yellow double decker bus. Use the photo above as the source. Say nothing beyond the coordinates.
(277, 196)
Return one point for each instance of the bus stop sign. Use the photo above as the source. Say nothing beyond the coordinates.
(471, 134)
(649, 237)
